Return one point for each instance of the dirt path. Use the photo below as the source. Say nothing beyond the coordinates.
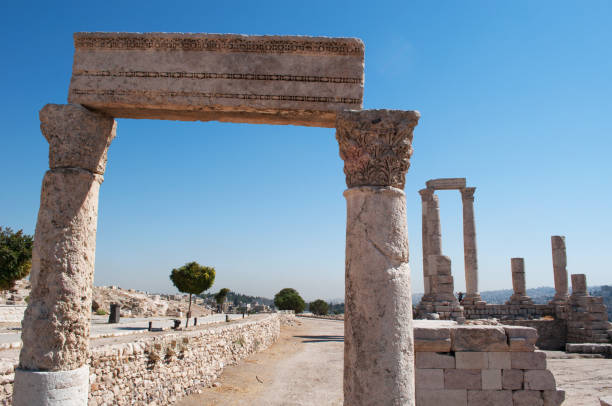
(303, 368)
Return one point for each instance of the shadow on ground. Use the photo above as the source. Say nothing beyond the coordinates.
(321, 339)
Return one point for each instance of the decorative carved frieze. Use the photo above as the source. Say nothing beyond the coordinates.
(376, 146)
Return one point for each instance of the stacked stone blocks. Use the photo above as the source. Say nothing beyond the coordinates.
(481, 365)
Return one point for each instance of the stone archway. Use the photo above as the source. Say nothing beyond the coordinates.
(275, 80)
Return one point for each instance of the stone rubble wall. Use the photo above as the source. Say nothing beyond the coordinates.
(160, 369)
(512, 311)
(587, 320)
(481, 365)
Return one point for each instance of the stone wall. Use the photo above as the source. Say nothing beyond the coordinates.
(552, 334)
(481, 365)
(11, 313)
(159, 369)
(511, 311)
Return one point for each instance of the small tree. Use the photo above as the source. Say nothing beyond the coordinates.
(15, 257)
(289, 299)
(221, 296)
(319, 307)
(194, 279)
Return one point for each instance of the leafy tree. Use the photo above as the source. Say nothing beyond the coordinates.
(15, 257)
(221, 296)
(194, 279)
(289, 299)
(319, 307)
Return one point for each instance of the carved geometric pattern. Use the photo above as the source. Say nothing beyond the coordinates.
(210, 75)
(208, 95)
(276, 46)
(376, 146)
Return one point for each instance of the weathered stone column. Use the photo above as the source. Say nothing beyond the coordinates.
(518, 276)
(518, 282)
(53, 366)
(469, 246)
(426, 198)
(376, 146)
(559, 258)
(579, 285)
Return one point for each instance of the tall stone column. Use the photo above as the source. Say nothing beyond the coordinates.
(53, 366)
(376, 146)
(559, 258)
(469, 246)
(426, 202)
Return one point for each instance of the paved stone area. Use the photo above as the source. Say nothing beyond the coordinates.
(10, 333)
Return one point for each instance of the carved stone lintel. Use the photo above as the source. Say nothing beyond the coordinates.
(376, 146)
(78, 137)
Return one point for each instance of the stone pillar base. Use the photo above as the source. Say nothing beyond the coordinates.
(57, 388)
(472, 299)
(519, 300)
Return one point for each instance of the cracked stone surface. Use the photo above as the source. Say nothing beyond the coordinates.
(378, 354)
(56, 323)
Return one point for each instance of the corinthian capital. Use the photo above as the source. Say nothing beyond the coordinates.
(467, 193)
(376, 146)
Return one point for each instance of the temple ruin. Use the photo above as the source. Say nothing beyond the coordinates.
(575, 318)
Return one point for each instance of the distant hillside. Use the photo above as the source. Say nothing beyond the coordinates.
(237, 298)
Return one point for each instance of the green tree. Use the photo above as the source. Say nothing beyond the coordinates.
(194, 279)
(15, 257)
(319, 307)
(221, 296)
(289, 299)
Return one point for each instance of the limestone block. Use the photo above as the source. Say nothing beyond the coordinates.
(539, 380)
(58, 388)
(512, 379)
(78, 138)
(462, 379)
(528, 360)
(479, 338)
(498, 360)
(489, 397)
(439, 265)
(432, 339)
(449, 397)
(491, 379)
(253, 79)
(521, 338)
(429, 378)
(434, 360)
(471, 360)
(553, 397)
(446, 183)
(527, 398)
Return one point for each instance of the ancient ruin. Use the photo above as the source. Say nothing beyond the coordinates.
(258, 79)
(575, 318)
(275, 80)
(439, 294)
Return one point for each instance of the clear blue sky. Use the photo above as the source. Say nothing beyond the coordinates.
(515, 96)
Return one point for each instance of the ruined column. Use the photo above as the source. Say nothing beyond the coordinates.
(579, 285)
(559, 258)
(426, 202)
(376, 146)
(469, 246)
(53, 366)
(518, 282)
